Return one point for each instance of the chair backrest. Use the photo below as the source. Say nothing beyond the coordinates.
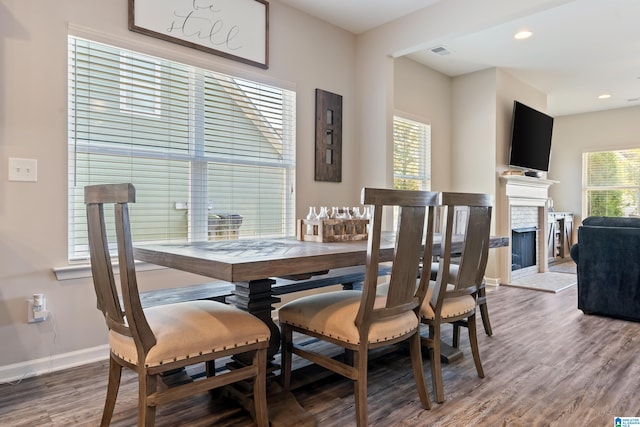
(474, 239)
(413, 242)
(130, 322)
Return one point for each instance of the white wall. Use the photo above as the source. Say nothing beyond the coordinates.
(305, 54)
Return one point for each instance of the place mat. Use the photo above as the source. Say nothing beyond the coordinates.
(546, 282)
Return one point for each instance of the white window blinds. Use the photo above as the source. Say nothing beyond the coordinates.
(611, 183)
(211, 156)
(411, 154)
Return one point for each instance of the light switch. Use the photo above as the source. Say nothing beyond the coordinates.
(23, 169)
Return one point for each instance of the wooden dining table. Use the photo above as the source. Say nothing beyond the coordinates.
(254, 265)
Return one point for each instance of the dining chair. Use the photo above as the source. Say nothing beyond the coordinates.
(481, 301)
(155, 340)
(459, 224)
(362, 320)
(452, 298)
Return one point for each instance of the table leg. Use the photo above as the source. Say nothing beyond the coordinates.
(256, 297)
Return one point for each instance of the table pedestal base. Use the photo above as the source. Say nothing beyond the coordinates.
(256, 297)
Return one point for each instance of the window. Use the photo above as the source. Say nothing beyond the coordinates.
(411, 157)
(211, 156)
(411, 154)
(611, 183)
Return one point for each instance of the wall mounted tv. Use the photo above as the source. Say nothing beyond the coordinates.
(530, 146)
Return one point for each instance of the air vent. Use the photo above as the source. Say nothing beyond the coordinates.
(440, 50)
(633, 99)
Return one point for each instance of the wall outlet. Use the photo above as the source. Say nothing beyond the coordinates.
(36, 314)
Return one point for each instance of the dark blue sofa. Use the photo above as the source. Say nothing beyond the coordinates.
(608, 258)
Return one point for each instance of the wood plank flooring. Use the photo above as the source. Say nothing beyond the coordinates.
(546, 365)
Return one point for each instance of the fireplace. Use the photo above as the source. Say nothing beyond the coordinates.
(526, 208)
(523, 248)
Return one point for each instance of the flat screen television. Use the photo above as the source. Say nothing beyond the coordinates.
(531, 132)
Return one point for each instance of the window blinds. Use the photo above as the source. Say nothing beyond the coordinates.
(211, 156)
(612, 182)
(411, 154)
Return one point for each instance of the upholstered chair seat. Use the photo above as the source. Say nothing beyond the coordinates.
(481, 300)
(183, 331)
(334, 314)
(452, 307)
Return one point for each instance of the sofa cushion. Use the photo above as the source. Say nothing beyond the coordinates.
(607, 221)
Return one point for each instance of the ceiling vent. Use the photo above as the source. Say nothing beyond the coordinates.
(440, 50)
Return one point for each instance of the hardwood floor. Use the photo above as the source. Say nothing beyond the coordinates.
(547, 364)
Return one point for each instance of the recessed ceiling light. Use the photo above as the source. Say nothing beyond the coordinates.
(604, 96)
(521, 35)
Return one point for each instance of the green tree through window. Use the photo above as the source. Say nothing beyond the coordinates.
(411, 155)
(612, 183)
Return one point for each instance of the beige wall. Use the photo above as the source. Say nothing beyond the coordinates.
(579, 133)
(473, 157)
(305, 54)
(424, 94)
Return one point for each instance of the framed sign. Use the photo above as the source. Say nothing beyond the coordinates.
(234, 29)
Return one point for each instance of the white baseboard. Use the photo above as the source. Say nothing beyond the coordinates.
(492, 281)
(45, 365)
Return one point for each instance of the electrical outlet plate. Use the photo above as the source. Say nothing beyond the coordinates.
(36, 316)
(23, 169)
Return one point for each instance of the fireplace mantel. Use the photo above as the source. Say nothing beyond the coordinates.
(527, 187)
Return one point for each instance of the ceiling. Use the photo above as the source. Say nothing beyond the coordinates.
(578, 51)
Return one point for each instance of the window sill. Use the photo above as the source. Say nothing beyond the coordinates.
(81, 271)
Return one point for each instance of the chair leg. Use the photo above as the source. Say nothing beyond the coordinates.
(147, 384)
(484, 310)
(360, 387)
(473, 341)
(415, 352)
(115, 373)
(484, 313)
(436, 366)
(260, 388)
(285, 356)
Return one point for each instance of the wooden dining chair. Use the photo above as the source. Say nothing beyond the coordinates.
(459, 223)
(452, 298)
(159, 339)
(362, 320)
(481, 301)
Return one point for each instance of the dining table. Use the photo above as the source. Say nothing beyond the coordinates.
(253, 265)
